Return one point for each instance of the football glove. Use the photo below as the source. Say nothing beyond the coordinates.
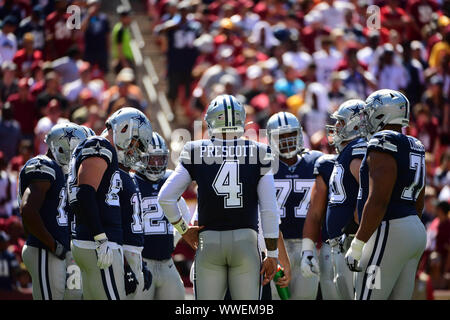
(60, 250)
(309, 264)
(353, 255)
(131, 282)
(148, 278)
(104, 251)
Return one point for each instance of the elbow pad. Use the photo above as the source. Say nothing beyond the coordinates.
(86, 209)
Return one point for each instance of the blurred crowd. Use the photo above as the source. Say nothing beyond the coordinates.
(309, 56)
(303, 56)
(56, 65)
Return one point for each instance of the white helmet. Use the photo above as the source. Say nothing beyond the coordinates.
(281, 123)
(132, 133)
(348, 123)
(89, 132)
(225, 114)
(156, 160)
(385, 107)
(62, 139)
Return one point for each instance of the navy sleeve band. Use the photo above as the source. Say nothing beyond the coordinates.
(87, 209)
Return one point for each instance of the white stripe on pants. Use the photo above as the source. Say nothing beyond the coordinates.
(48, 273)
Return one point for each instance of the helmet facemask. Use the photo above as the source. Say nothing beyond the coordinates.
(156, 165)
(342, 132)
(287, 143)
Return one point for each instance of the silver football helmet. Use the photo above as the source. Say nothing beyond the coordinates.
(348, 124)
(225, 114)
(281, 123)
(132, 134)
(62, 139)
(384, 107)
(89, 132)
(156, 160)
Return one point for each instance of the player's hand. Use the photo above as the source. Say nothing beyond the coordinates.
(268, 269)
(104, 253)
(283, 282)
(148, 277)
(60, 250)
(131, 282)
(353, 255)
(309, 265)
(191, 236)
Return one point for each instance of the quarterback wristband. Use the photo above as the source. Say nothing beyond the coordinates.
(181, 226)
(308, 245)
(272, 253)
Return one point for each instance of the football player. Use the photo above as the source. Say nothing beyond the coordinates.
(293, 183)
(94, 184)
(391, 238)
(343, 187)
(42, 201)
(234, 176)
(315, 218)
(159, 241)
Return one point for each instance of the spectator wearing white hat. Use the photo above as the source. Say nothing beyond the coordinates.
(8, 41)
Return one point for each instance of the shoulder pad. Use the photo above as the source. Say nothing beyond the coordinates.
(41, 165)
(385, 140)
(97, 146)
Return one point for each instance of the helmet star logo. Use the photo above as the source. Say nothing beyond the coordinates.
(355, 110)
(68, 134)
(377, 98)
(140, 119)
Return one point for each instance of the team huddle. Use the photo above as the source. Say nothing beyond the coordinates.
(108, 205)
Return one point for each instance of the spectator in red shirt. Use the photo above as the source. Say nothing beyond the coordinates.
(25, 57)
(59, 38)
(394, 18)
(421, 14)
(24, 108)
(425, 127)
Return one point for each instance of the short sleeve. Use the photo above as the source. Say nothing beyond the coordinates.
(97, 147)
(186, 157)
(39, 169)
(383, 142)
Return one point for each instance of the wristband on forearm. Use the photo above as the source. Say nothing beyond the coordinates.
(87, 208)
(308, 245)
(181, 226)
(272, 253)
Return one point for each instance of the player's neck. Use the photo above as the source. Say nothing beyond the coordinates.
(393, 127)
(289, 161)
(108, 136)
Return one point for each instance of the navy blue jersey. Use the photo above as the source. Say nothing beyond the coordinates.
(293, 185)
(324, 167)
(158, 232)
(107, 192)
(130, 205)
(409, 154)
(52, 210)
(70, 213)
(227, 173)
(343, 188)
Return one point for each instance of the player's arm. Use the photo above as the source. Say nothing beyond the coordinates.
(311, 229)
(270, 226)
(355, 164)
(168, 197)
(283, 257)
(382, 176)
(316, 211)
(186, 214)
(31, 203)
(90, 175)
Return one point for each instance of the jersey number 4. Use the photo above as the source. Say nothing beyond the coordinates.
(226, 183)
